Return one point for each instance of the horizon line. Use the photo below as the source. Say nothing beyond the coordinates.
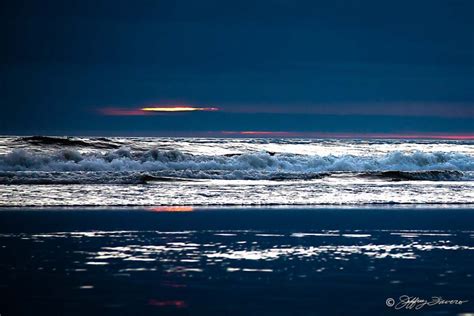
(258, 134)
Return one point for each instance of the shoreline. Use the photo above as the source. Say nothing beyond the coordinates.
(64, 219)
(197, 207)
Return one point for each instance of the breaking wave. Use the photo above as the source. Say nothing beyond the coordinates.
(126, 166)
(124, 159)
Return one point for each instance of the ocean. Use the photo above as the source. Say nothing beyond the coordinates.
(49, 171)
(213, 226)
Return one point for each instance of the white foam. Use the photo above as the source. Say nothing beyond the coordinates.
(124, 159)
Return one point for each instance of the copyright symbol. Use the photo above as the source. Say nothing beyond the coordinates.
(390, 302)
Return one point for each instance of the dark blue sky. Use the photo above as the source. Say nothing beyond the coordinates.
(308, 66)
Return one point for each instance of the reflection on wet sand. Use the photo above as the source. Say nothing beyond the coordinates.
(172, 209)
(170, 271)
(250, 245)
(175, 303)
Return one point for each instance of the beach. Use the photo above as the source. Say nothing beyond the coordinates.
(234, 261)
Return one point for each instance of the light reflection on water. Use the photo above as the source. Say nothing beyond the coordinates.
(193, 251)
(166, 267)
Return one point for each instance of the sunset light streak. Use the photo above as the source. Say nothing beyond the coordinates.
(150, 110)
(177, 109)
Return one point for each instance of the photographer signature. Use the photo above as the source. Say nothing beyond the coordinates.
(414, 302)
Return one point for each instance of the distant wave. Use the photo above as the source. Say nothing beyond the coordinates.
(82, 177)
(137, 177)
(99, 142)
(126, 166)
(432, 175)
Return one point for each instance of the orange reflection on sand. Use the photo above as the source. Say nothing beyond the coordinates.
(175, 303)
(172, 209)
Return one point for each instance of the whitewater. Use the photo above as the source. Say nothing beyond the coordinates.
(119, 171)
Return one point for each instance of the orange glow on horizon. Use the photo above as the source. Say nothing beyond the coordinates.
(402, 136)
(261, 133)
(351, 135)
(172, 209)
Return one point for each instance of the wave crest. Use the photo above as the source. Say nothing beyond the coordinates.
(124, 159)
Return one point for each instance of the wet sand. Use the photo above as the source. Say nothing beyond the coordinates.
(267, 261)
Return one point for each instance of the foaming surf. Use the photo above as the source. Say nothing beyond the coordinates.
(234, 171)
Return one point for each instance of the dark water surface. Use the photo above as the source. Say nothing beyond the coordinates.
(185, 261)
